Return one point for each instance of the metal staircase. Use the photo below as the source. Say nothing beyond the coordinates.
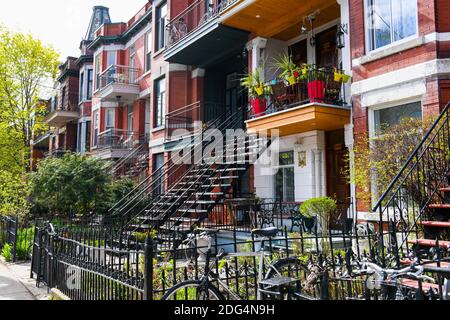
(417, 203)
(188, 194)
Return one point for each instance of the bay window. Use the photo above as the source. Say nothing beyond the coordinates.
(388, 21)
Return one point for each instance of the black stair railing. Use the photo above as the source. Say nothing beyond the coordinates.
(405, 202)
(154, 211)
(143, 195)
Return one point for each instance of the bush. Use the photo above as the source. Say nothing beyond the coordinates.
(322, 208)
(7, 252)
(24, 244)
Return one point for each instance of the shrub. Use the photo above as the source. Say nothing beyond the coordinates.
(322, 208)
(7, 252)
(24, 243)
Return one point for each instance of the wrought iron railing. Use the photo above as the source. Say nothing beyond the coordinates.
(405, 202)
(196, 15)
(58, 153)
(183, 122)
(119, 139)
(319, 85)
(117, 74)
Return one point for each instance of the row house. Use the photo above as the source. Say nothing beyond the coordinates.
(118, 77)
(400, 67)
(212, 44)
(62, 110)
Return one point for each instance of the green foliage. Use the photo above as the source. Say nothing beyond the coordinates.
(377, 160)
(14, 192)
(254, 83)
(24, 243)
(7, 252)
(73, 184)
(25, 64)
(322, 208)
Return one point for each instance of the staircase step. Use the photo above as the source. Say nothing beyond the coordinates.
(223, 185)
(430, 243)
(192, 211)
(427, 263)
(439, 206)
(200, 202)
(209, 194)
(436, 224)
(426, 286)
(446, 189)
(223, 178)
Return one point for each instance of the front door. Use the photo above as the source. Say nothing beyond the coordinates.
(326, 49)
(338, 186)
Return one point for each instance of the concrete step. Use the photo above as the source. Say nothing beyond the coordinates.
(439, 206)
(430, 243)
(435, 224)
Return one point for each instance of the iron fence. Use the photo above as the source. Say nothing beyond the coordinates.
(88, 262)
(18, 235)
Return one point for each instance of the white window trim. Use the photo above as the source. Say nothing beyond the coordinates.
(113, 110)
(368, 49)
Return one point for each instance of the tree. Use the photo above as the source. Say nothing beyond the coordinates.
(26, 65)
(74, 184)
(14, 192)
(378, 160)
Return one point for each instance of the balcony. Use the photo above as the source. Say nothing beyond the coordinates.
(314, 102)
(116, 143)
(196, 37)
(59, 115)
(119, 83)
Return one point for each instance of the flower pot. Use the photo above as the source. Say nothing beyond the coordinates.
(259, 90)
(338, 77)
(291, 80)
(316, 90)
(259, 106)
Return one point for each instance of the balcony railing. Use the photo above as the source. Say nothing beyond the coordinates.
(318, 86)
(57, 153)
(192, 18)
(117, 74)
(119, 139)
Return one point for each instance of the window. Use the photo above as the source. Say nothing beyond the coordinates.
(79, 137)
(391, 116)
(81, 86)
(130, 119)
(389, 21)
(96, 128)
(285, 178)
(88, 137)
(111, 61)
(160, 102)
(63, 98)
(89, 86)
(98, 70)
(132, 63)
(158, 163)
(109, 119)
(148, 50)
(161, 22)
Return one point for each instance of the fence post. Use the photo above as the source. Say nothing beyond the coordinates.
(148, 268)
(16, 229)
(325, 286)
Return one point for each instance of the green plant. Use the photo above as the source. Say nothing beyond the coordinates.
(24, 243)
(322, 208)
(254, 84)
(7, 252)
(287, 67)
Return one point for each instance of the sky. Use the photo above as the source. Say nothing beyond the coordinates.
(61, 23)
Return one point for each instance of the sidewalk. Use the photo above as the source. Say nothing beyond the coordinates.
(15, 283)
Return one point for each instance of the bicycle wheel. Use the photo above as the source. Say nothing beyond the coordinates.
(295, 268)
(193, 290)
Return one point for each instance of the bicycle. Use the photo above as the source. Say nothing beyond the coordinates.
(283, 278)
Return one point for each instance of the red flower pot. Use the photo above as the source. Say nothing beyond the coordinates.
(316, 91)
(259, 106)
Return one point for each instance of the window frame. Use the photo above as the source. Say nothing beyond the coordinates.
(159, 114)
(148, 50)
(108, 112)
(283, 168)
(81, 90)
(160, 39)
(90, 84)
(368, 35)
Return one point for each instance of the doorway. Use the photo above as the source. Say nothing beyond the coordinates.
(327, 54)
(338, 185)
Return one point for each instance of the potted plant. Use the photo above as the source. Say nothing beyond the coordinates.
(322, 208)
(316, 84)
(258, 91)
(340, 76)
(290, 73)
